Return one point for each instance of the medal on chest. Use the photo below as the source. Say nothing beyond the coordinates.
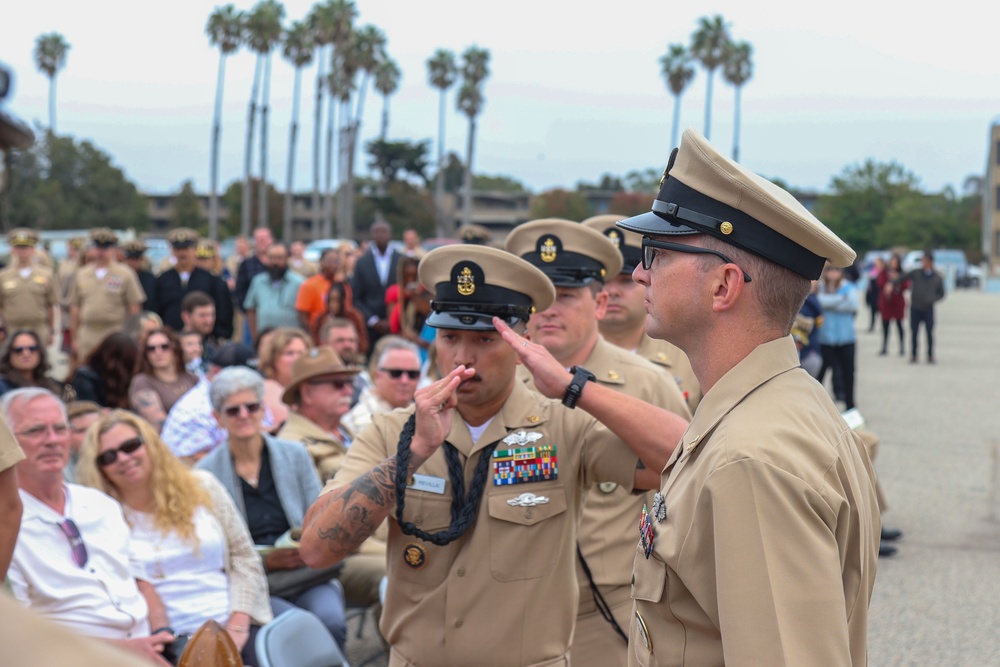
(646, 533)
(659, 507)
(520, 465)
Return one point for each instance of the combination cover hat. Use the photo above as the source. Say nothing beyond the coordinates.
(103, 237)
(182, 237)
(703, 192)
(629, 244)
(134, 249)
(472, 284)
(570, 254)
(22, 237)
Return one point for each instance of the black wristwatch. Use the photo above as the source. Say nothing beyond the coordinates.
(580, 377)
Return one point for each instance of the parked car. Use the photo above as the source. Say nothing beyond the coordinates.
(315, 248)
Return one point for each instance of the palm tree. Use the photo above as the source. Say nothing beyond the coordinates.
(264, 31)
(298, 50)
(442, 74)
(321, 26)
(708, 46)
(475, 69)
(224, 30)
(50, 57)
(387, 76)
(737, 70)
(675, 66)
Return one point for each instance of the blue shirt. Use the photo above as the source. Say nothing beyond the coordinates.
(274, 300)
(838, 315)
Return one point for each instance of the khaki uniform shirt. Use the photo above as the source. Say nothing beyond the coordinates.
(672, 358)
(768, 549)
(103, 302)
(505, 593)
(27, 302)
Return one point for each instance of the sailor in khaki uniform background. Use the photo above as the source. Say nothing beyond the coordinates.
(762, 544)
(577, 260)
(102, 296)
(29, 294)
(624, 321)
(492, 583)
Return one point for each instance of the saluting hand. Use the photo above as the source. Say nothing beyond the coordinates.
(551, 378)
(434, 413)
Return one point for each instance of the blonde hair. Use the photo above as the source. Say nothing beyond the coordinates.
(177, 493)
(280, 338)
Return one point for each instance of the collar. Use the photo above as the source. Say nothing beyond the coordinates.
(307, 430)
(524, 409)
(602, 362)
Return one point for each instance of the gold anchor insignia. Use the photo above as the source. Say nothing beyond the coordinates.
(615, 238)
(726, 228)
(613, 375)
(534, 419)
(548, 251)
(466, 282)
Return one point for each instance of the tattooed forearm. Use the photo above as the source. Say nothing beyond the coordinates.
(341, 520)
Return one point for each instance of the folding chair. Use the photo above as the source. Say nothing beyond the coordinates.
(297, 638)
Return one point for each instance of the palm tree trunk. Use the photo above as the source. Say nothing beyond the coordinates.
(708, 106)
(286, 230)
(442, 228)
(213, 198)
(677, 121)
(343, 142)
(317, 132)
(262, 193)
(52, 104)
(247, 200)
(736, 125)
(328, 199)
(467, 181)
(352, 149)
(385, 118)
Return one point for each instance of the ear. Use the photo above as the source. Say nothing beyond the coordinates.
(601, 304)
(727, 287)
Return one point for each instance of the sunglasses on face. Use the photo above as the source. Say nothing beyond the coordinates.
(234, 410)
(79, 549)
(162, 347)
(649, 247)
(128, 447)
(336, 383)
(396, 373)
(25, 348)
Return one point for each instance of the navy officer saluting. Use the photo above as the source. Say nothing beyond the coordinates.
(482, 479)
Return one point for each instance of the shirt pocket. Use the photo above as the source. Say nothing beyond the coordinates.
(424, 563)
(525, 540)
(649, 585)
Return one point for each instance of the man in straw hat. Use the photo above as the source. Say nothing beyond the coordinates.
(761, 545)
(578, 260)
(29, 292)
(494, 566)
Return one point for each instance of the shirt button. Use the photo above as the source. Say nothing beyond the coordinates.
(527, 514)
(461, 571)
(419, 521)
(458, 623)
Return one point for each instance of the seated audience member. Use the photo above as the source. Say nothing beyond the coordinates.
(162, 378)
(395, 371)
(190, 430)
(186, 539)
(338, 306)
(81, 415)
(272, 483)
(285, 345)
(138, 325)
(71, 558)
(342, 335)
(24, 363)
(198, 314)
(107, 373)
(193, 352)
(319, 395)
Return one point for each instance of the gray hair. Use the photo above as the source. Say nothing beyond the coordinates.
(233, 380)
(26, 395)
(387, 344)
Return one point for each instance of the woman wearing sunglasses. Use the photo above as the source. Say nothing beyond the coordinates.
(186, 537)
(272, 483)
(24, 363)
(394, 368)
(161, 379)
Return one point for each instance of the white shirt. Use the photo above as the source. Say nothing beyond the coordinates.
(101, 599)
(382, 263)
(189, 578)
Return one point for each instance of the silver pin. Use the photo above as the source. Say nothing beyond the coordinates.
(659, 507)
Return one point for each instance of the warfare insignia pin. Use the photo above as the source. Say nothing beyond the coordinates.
(415, 556)
(522, 438)
(659, 507)
(527, 500)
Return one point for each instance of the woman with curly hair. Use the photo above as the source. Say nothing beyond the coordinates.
(283, 347)
(107, 373)
(24, 363)
(188, 540)
(162, 377)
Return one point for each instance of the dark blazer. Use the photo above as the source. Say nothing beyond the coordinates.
(148, 282)
(369, 292)
(170, 292)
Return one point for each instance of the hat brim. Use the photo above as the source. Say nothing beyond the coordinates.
(291, 394)
(468, 321)
(652, 223)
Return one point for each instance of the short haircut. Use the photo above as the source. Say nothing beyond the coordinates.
(387, 344)
(335, 323)
(195, 299)
(233, 380)
(327, 251)
(26, 395)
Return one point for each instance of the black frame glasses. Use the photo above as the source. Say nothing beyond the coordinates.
(162, 347)
(235, 410)
(21, 349)
(648, 255)
(396, 373)
(72, 533)
(106, 458)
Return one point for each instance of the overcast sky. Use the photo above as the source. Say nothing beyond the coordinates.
(575, 92)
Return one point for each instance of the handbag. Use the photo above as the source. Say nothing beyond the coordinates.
(292, 583)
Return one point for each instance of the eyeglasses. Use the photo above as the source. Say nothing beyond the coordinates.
(338, 383)
(162, 347)
(79, 549)
(234, 410)
(396, 373)
(25, 348)
(648, 253)
(110, 456)
(35, 432)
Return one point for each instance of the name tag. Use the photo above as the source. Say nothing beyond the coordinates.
(426, 483)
